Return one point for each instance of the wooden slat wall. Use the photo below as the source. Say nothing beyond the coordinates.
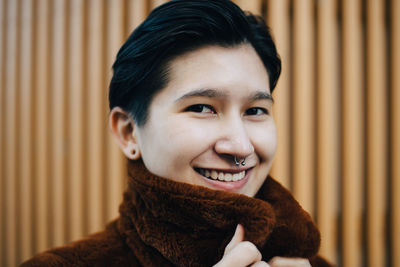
(279, 20)
(95, 116)
(377, 102)
(76, 125)
(303, 103)
(10, 132)
(2, 123)
(58, 121)
(352, 135)
(395, 132)
(116, 33)
(328, 130)
(41, 158)
(26, 125)
(337, 108)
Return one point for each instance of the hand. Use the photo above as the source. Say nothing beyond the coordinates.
(239, 253)
(289, 262)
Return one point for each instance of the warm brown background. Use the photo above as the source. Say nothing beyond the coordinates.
(337, 110)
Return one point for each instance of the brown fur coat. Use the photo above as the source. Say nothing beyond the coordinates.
(165, 223)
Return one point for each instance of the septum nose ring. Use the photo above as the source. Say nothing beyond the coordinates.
(238, 162)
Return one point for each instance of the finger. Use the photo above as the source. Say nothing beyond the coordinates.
(243, 254)
(238, 237)
(289, 262)
(261, 264)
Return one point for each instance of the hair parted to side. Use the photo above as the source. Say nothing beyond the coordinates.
(172, 29)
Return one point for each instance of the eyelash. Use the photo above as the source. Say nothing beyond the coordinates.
(198, 108)
(263, 110)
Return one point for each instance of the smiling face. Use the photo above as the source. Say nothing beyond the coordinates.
(217, 105)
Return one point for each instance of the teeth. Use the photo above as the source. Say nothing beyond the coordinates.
(221, 176)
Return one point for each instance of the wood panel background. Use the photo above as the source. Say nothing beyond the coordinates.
(337, 110)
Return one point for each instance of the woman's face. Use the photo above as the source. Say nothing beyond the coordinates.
(217, 105)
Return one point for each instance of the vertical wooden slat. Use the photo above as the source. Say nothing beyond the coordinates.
(395, 134)
(95, 119)
(278, 20)
(156, 3)
(76, 126)
(2, 132)
(254, 6)
(11, 132)
(116, 168)
(376, 132)
(137, 11)
(25, 121)
(58, 122)
(303, 103)
(328, 127)
(353, 134)
(42, 134)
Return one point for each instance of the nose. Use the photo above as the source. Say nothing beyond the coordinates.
(234, 140)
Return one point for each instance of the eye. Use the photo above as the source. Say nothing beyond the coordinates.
(256, 111)
(201, 108)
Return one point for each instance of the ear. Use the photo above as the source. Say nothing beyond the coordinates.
(123, 128)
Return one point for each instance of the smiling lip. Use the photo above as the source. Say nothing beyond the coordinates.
(227, 185)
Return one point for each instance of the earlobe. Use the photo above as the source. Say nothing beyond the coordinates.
(131, 152)
(123, 129)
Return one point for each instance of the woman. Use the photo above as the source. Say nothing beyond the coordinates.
(191, 107)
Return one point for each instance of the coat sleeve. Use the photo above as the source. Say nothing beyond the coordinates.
(46, 259)
(106, 248)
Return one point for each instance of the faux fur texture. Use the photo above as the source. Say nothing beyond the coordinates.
(166, 223)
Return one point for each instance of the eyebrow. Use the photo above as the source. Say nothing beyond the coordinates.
(261, 95)
(207, 92)
(212, 93)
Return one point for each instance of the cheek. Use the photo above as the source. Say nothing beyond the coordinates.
(189, 139)
(265, 141)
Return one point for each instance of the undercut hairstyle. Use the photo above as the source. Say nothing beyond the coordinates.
(173, 29)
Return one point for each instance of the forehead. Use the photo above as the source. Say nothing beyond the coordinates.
(217, 67)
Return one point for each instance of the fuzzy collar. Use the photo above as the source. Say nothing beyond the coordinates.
(167, 223)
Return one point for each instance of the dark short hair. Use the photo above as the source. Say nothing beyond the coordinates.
(175, 28)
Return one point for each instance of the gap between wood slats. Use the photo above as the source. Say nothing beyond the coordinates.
(352, 134)
(376, 133)
(279, 21)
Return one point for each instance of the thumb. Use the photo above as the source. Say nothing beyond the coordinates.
(236, 239)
